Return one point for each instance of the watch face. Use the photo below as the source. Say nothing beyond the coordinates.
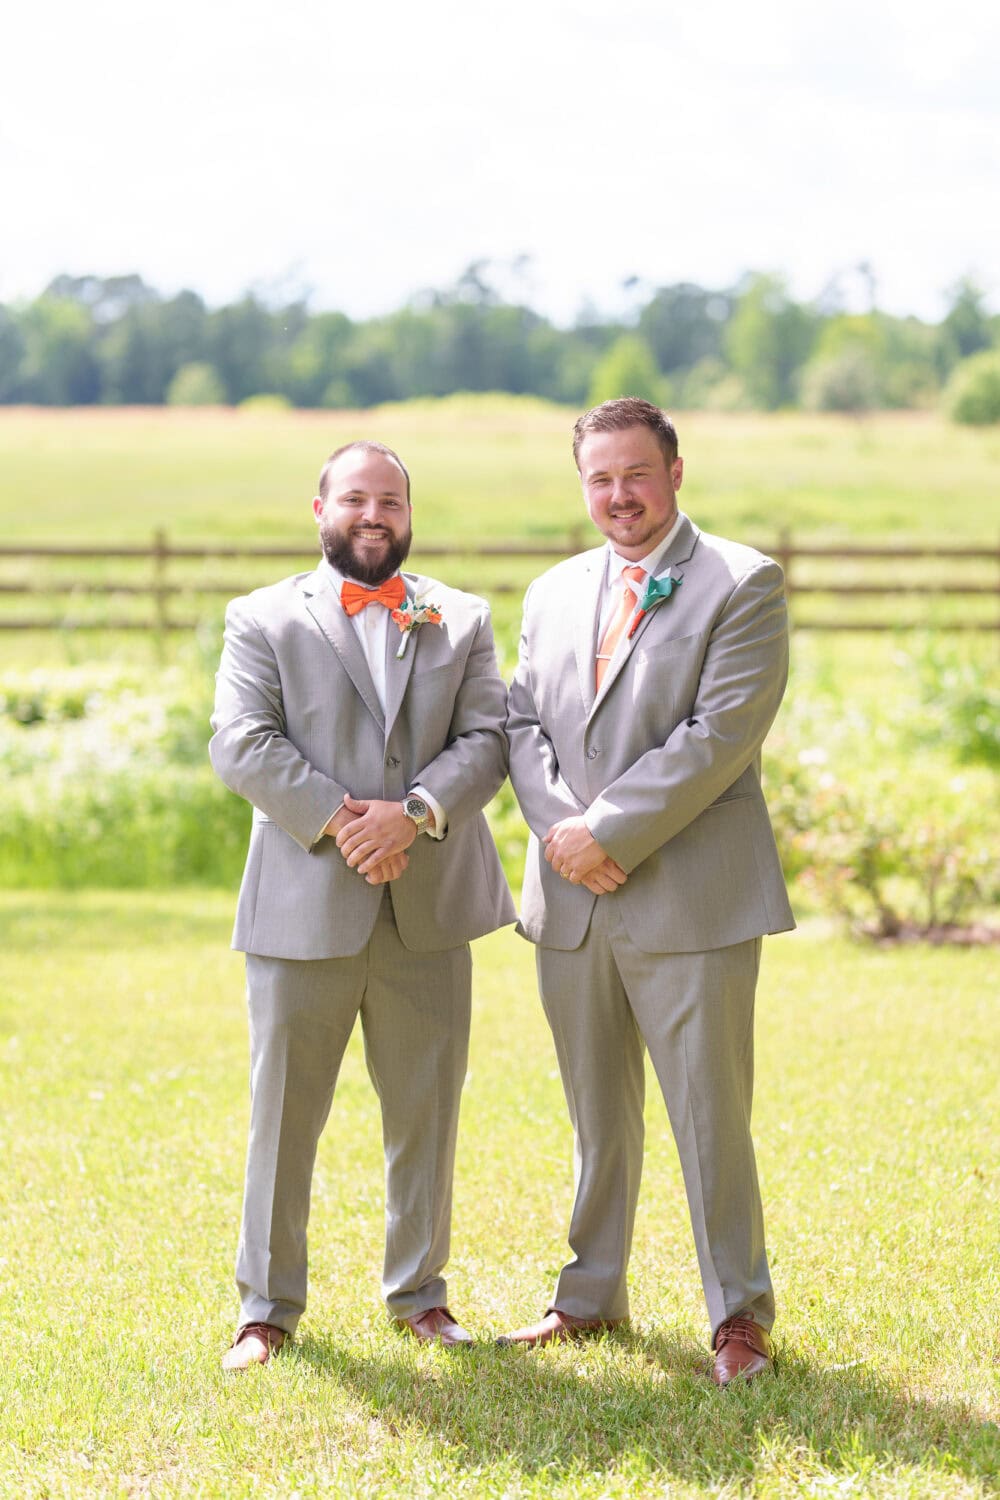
(415, 807)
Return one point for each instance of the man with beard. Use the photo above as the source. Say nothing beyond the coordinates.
(360, 711)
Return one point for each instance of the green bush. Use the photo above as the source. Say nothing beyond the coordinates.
(196, 384)
(135, 828)
(44, 697)
(972, 395)
(888, 851)
(628, 369)
(104, 780)
(961, 705)
(846, 382)
(872, 833)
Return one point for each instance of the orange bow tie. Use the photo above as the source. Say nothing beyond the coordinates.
(354, 597)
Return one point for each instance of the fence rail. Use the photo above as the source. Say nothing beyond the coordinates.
(806, 566)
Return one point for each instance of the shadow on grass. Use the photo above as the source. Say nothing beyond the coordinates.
(644, 1405)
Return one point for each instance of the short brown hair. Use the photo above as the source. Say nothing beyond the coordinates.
(367, 445)
(627, 411)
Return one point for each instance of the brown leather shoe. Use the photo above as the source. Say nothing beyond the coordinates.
(437, 1326)
(742, 1348)
(558, 1327)
(253, 1345)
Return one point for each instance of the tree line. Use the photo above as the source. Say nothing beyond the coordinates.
(89, 340)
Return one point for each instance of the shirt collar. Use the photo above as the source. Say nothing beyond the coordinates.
(650, 563)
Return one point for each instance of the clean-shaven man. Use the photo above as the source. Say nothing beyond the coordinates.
(650, 671)
(360, 711)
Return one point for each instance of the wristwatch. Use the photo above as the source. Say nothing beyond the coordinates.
(417, 811)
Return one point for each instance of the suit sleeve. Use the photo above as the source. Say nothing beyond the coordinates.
(472, 767)
(250, 750)
(543, 795)
(742, 680)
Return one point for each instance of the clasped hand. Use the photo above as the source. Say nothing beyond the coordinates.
(373, 837)
(574, 853)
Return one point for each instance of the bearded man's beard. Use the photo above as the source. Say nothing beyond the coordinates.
(342, 554)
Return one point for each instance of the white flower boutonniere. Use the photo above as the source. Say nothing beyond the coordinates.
(409, 616)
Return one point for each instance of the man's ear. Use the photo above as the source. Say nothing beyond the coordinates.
(677, 473)
(318, 506)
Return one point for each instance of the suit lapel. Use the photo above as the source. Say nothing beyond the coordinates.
(586, 616)
(397, 672)
(677, 553)
(322, 603)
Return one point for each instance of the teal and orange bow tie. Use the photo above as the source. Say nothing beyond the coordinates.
(354, 597)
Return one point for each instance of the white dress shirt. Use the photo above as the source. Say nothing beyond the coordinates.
(371, 626)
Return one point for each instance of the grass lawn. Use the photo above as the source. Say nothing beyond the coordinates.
(484, 467)
(487, 469)
(123, 1067)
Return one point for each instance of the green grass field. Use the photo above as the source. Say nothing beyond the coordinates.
(123, 1049)
(483, 467)
(123, 1065)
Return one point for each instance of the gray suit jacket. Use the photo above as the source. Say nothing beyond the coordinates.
(298, 724)
(665, 760)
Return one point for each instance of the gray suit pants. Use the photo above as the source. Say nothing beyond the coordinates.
(607, 1001)
(415, 1011)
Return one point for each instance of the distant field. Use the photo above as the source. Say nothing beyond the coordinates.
(483, 467)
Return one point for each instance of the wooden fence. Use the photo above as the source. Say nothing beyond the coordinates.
(952, 583)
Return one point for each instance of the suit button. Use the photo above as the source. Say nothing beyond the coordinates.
(392, 760)
(592, 753)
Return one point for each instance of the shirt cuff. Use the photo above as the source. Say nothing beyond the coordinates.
(440, 816)
(319, 835)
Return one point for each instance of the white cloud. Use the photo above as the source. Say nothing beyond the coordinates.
(377, 152)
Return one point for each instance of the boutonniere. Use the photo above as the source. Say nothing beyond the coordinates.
(656, 589)
(409, 616)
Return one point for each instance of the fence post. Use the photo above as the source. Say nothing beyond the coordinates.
(783, 555)
(160, 555)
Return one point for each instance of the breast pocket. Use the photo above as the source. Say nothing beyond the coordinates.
(664, 676)
(434, 692)
(679, 648)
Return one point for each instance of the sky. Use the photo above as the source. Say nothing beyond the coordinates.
(360, 155)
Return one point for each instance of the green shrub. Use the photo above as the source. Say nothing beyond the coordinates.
(872, 833)
(628, 369)
(961, 702)
(134, 828)
(889, 851)
(104, 780)
(44, 697)
(846, 382)
(196, 384)
(972, 395)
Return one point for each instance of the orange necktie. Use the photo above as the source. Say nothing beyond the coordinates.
(354, 597)
(618, 623)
